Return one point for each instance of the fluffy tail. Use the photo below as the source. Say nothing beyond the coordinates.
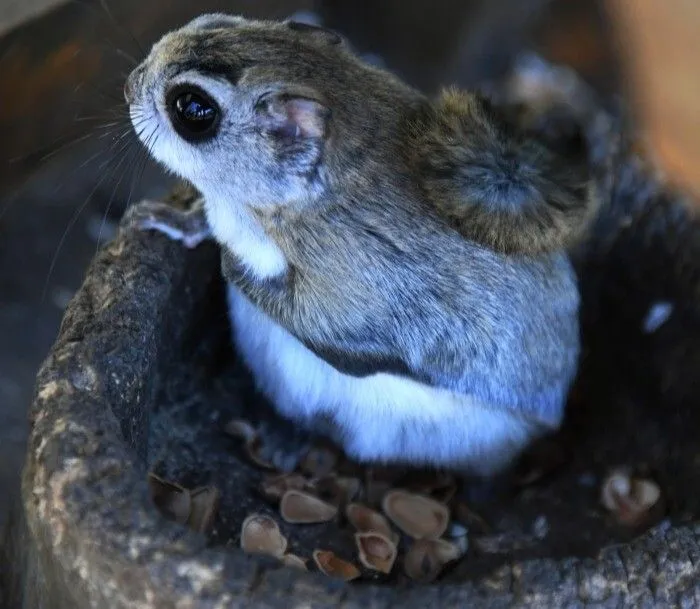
(498, 185)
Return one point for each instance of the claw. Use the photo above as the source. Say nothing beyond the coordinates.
(188, 227)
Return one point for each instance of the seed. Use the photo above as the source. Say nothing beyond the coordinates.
(376, 551)
(416, 515)
(338, 490)
(260, 534)
(633, 501)
(331, 565)
(298, 507)
(253, 449)
(205, 503)
(170, 498)
(365, 519)
(294, 561)
(426, 559)
(274, 486)
(241, 429)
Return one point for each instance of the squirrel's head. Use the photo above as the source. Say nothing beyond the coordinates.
(260, 112)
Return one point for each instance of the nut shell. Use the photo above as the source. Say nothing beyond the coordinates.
(294, 561)
(416, 515)
(365, 520)
(329, 564)
(376, 551)
(426, 559)
(260, 534)
(205, 503)
(173, 500)
(633, 501)
(298, 507)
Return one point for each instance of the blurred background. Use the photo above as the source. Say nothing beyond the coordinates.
(69, 165)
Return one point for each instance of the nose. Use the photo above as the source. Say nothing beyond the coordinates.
(131, 85)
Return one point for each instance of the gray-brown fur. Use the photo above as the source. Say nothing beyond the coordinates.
(420, 239)
(493, 184)
(499, 187)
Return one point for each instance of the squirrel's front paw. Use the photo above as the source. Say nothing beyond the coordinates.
(187, 226)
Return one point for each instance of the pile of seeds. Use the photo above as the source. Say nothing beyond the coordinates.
(402, 521)
(327, 488)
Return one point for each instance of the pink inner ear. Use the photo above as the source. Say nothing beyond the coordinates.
(296, 117)
(308, 115)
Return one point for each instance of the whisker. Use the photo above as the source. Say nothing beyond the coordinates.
(118, 27)
(50, 153)
(107, 10)
(115, 113)
(110, 151)
(103, 94)
(142, 152)
(9, 203)
(44, 153)
(149, 142)
(128, 57)
(69, 227)
(111, 154)
(109, 203)
(108, 125)
(89, 160)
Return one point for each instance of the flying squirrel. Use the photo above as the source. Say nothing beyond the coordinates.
(397, 266)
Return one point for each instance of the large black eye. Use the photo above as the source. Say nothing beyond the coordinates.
(194, 115)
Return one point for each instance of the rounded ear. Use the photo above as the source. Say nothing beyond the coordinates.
(297, 127)
(292, 117)
(321, 33)
(215, 21)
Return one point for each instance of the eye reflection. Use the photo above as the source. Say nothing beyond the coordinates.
(193, 114)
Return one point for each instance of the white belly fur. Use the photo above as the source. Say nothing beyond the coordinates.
(382, 418)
